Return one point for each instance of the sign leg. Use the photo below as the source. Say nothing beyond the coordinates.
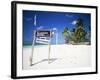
(31, 57)
(49, 54)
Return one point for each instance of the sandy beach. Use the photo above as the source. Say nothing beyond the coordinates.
(61, 56)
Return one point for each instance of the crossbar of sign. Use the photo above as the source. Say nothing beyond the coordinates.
(42, 41)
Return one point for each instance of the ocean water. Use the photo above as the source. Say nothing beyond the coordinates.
(29, 45)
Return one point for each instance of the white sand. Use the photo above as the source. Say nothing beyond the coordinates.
(62, 56)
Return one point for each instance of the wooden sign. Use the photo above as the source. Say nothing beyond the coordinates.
(43, 33)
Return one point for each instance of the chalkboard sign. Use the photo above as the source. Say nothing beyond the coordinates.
(43, 33)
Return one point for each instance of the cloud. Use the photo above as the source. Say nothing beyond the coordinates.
(41, 27)
(28, 18)
(54, 29)
(74, 22)
(69, 15)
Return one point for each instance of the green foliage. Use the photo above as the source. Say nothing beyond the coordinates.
(80, 34)
(79, 31)
(65, 33)
(79, 22)
(77, 34)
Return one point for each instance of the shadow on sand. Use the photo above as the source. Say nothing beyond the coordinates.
(51, 60)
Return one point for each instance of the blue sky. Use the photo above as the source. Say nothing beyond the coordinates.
(50, 20)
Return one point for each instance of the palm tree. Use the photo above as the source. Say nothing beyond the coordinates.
(77, 34)
(79, 31)
(79, 22)
(66, 34)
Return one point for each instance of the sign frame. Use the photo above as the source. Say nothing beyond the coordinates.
(34, 41)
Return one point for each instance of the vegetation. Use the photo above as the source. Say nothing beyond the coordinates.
(66, 34)
(77, 35)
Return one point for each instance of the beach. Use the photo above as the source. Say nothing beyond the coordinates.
(61, 56)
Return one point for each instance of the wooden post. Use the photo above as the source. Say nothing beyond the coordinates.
(33, 42)
(49, 48)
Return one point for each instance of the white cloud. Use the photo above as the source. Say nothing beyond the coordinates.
(28, 18)
(68, 15)
(41, 27)
(55, 29)
(74, 22)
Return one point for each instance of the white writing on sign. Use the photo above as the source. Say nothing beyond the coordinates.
(43, 33)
